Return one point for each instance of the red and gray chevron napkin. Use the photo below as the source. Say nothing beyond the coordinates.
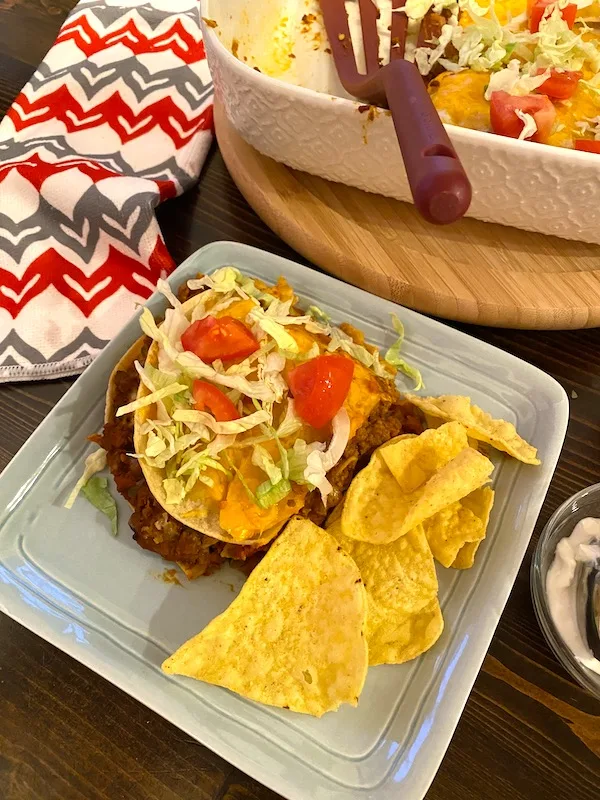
(117, 118)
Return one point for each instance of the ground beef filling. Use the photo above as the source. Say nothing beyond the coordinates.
(156, 530)
(391, 417)
(153, 528)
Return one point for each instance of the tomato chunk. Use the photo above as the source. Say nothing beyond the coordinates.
(320, 386)
(537, 9)
(587, 145)
(505, 122)
(560, 85)
(207, 396)
(225, 338)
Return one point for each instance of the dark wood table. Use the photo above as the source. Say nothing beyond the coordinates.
(528, 732)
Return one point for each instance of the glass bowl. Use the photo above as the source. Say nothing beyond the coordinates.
(585, 503)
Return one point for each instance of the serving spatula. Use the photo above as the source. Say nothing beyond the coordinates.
(439, 185)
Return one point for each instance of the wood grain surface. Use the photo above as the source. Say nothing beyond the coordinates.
(528, 732)
(470, 271)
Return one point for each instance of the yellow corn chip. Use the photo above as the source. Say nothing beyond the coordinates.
(435, 422)
(412, 636)
(379, 509)
(481, 426)
(401, 585)
(463, 522)
(400, 438)
(422, 456)
(374, 504)
(295, 635)
(466, 556)
(449, 529)
(480, 503)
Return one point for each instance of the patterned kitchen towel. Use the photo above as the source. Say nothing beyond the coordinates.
(117, 118)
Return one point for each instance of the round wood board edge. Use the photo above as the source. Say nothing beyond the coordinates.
(470, 272)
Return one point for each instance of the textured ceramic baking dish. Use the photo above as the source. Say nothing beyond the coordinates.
(321, 131)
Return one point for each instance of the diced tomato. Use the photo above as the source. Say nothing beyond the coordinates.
(207, 396)
(537, 9)
(225, 338)
(505, 121)
(320, 386)
(560, 85)
(587, 145)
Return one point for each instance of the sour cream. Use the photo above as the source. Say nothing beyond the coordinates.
(563, 584)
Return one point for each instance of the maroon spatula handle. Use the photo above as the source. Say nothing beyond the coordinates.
(440, 188)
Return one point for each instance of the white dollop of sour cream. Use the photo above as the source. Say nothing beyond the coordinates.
(581, 547)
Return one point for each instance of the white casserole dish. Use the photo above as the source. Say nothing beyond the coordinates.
(320, 130)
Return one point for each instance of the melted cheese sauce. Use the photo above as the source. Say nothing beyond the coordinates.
(239, 515)
(459, 99)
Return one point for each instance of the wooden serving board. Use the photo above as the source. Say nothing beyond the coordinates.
(471, 271)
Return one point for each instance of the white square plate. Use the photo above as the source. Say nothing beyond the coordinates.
(99, 598)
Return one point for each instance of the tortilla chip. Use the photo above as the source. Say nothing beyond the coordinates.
(401, 584)
(449, 529)
(461, 523)
(480, 503)
(295, 635)
(435, 422)
(378, 510)
(466, 556)
(411, 637)
(481, 426)
(414, 461)
(400, 438)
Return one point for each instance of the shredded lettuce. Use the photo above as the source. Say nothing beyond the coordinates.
(341, 341)
(319, 463)
(511, 80)
(157, 378)
(181, 480)
(231, 426)
(529, 124)
(221, 442)
(262, 459)
(196, 368)
(473, 8)
(164, 288)
(94, 463)
(222, 280)
(319, 315)
(174, 490)
(313, 351)
(97, 492)
(558, 46)
(200, 311)
(291, 422)
(154, 379)
(155, 445)
(309, 463)
(175, 442)
(198, 460)
(273, 435)
(168, 351)
(426, 57)
(150, 399)
(269, 494)
(417, 9)
(297, 459)
(393, 356)
(274, 329)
